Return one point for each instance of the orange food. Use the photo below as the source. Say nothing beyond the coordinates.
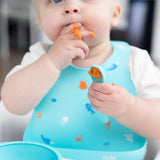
(76, 26)
(76, 30)
(92, 34)
(95, 72)
(76, 33)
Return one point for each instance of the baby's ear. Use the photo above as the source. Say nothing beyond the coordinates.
(116, 15)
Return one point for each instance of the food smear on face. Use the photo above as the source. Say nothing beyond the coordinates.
(76, 30)
(95, 72)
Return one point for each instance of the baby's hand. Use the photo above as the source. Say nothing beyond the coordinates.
(68, 47)
(108, 99)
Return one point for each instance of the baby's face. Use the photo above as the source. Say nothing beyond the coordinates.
(94, 15)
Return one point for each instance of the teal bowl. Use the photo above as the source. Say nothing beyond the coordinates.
(28, 151)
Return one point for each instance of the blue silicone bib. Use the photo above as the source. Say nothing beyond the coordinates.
(65, 119)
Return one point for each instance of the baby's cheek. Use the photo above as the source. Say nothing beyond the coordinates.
(51, 31)
(100, 27)
(52, 35)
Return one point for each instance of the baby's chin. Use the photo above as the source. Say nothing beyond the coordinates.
(90, 42)
(51, 38)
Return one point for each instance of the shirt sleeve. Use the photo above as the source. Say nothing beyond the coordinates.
(35, 51)
(144, 74)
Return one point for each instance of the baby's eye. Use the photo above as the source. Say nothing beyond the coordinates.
(56, 1)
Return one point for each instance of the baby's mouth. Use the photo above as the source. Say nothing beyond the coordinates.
(68, 24)
(72, 22)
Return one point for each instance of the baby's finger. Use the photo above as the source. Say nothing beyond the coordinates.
(96, 94)
(79, 54)
(104, 88)
(70, 27)
(85, 33)
(82, 45)
(94, 101)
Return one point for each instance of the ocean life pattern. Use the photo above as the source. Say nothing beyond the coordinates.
(79, 138)
(108, 124)
(65, 120)
(54, 100)
(90, 108)
(113, 67)
(83, 85)
(46, 140)
(39, 115)
(106, 144)
(129, 137)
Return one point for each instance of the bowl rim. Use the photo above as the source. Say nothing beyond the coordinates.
(5, 144)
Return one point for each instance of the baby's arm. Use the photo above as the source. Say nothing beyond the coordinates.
(142, 116)
(24, 89)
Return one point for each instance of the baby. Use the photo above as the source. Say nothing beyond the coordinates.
(49, 77)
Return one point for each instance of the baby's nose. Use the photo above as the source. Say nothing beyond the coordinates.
(72, 9)
(76, 10)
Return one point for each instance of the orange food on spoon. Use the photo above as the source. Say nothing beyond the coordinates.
(95, 72)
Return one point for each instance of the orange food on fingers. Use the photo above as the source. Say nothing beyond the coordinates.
(76, 30)
(76, 26)
(92, 34)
